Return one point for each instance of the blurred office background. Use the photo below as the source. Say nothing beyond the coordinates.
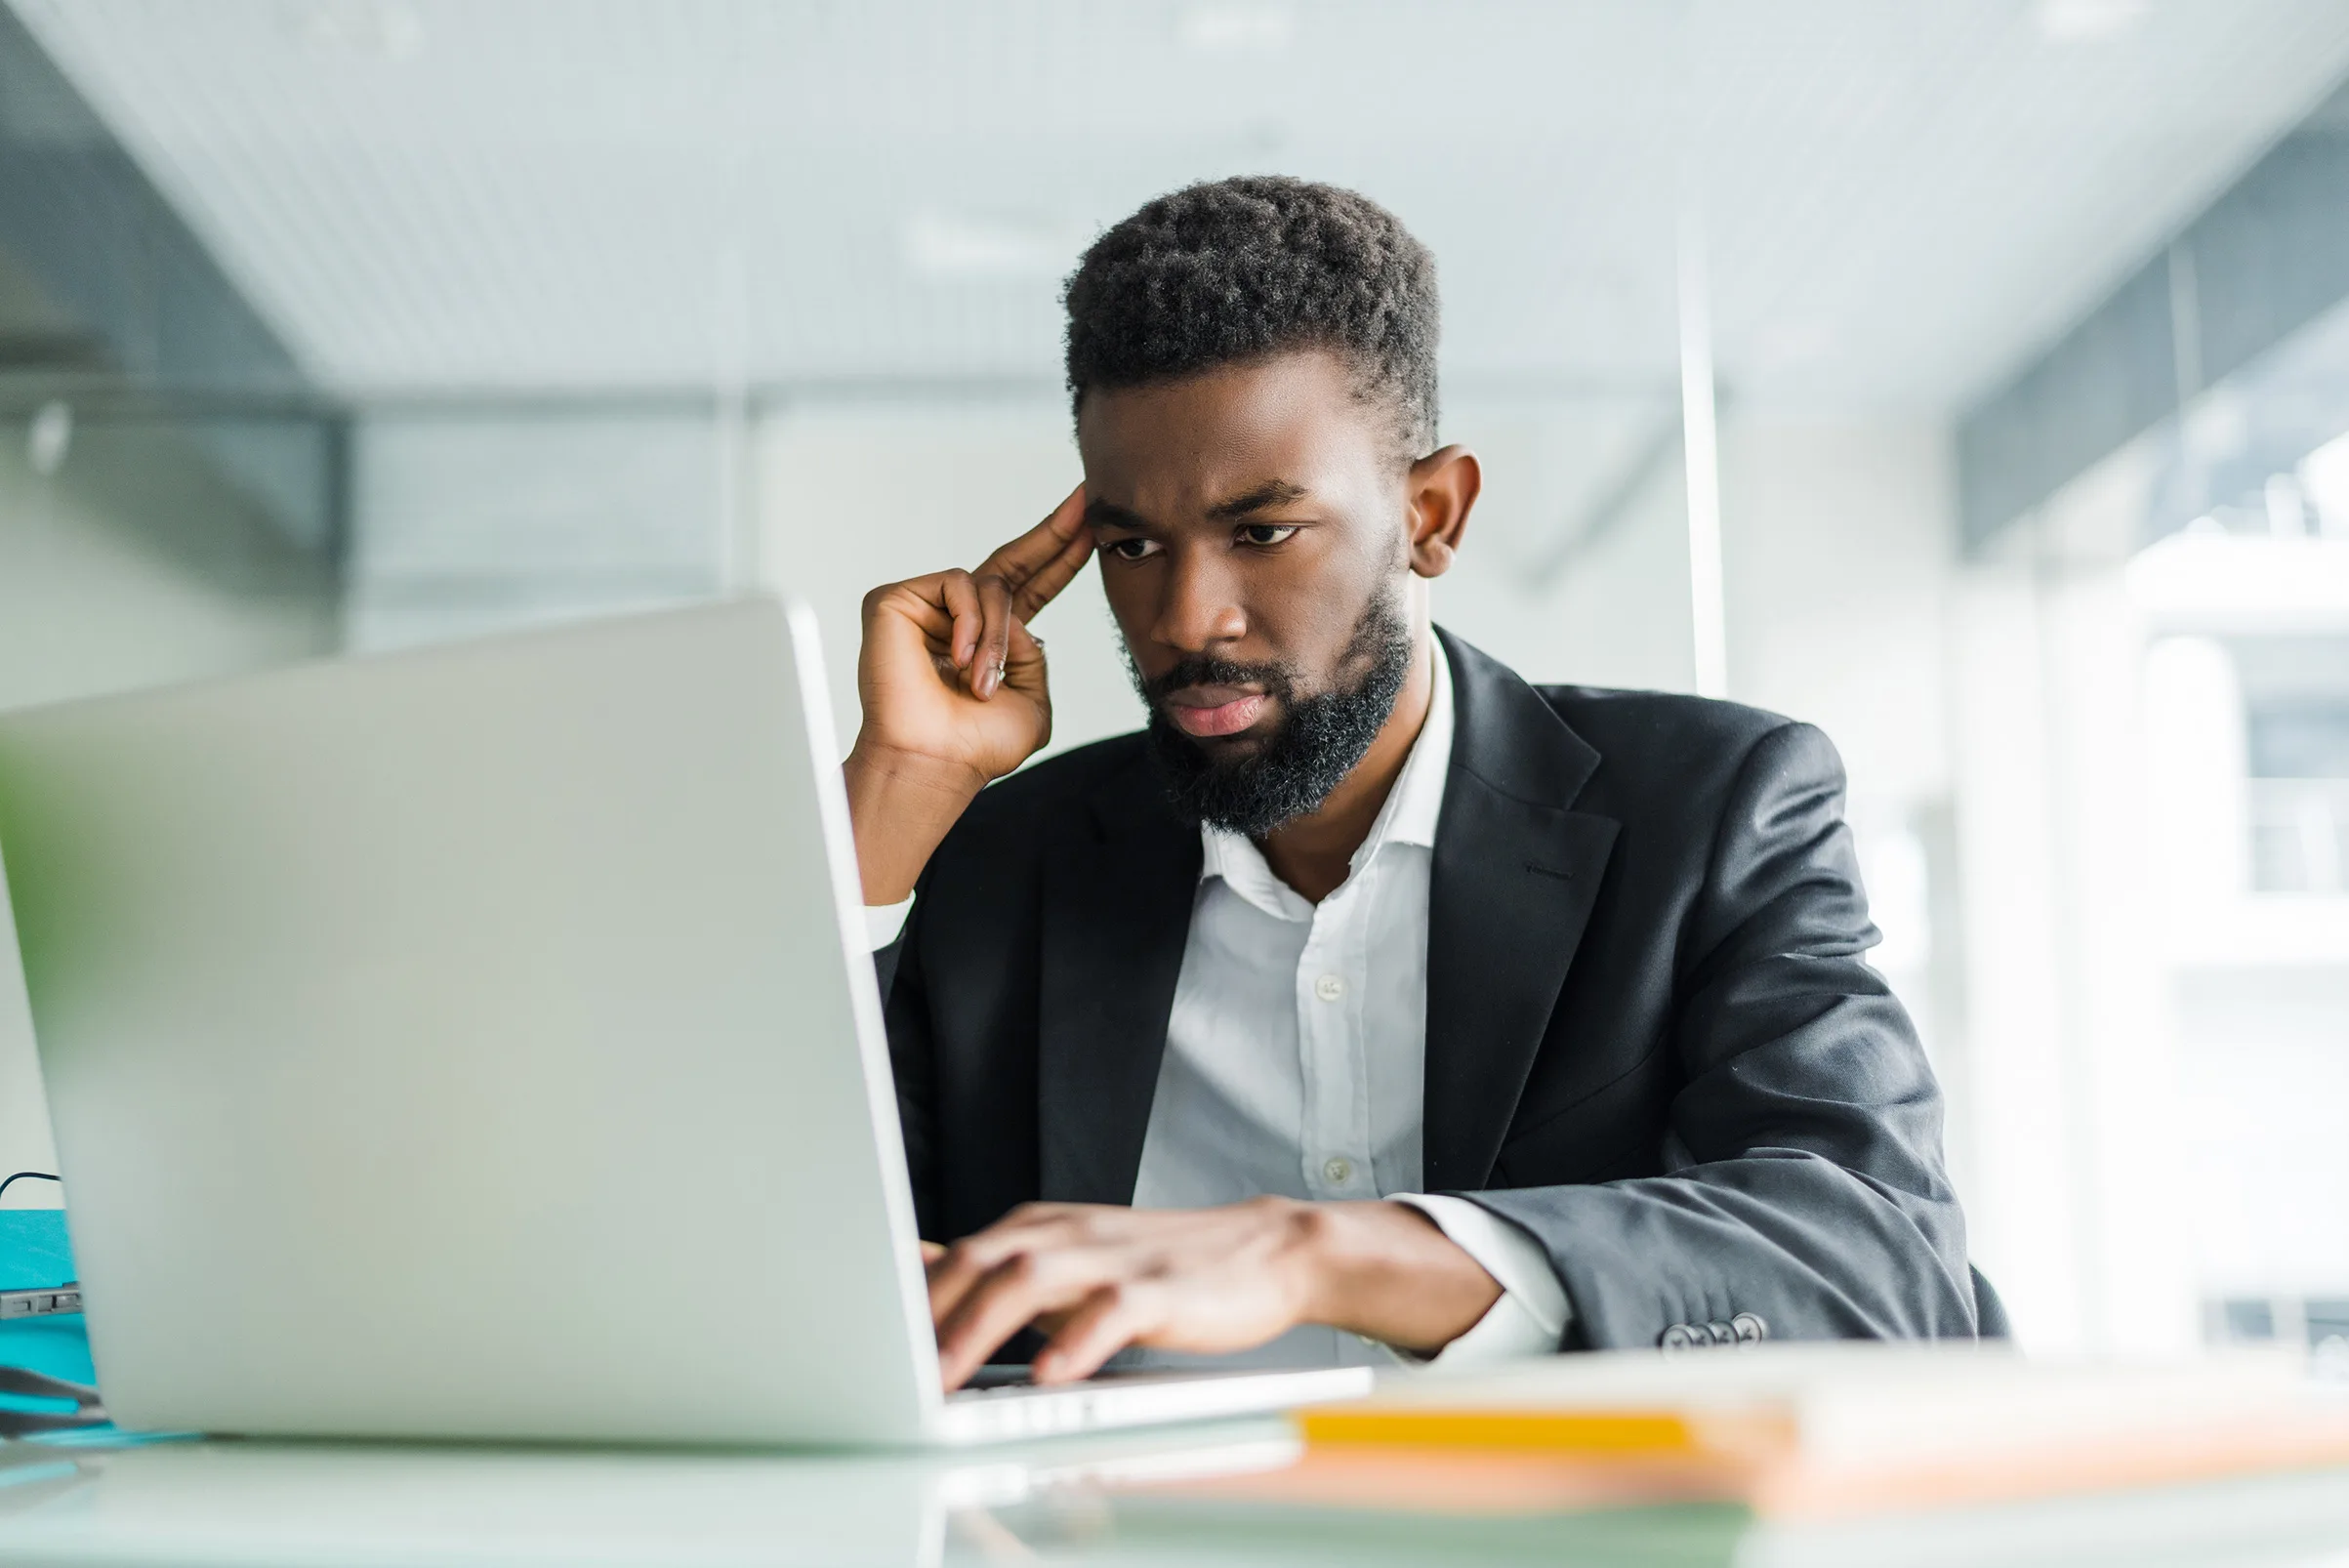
(1970, 377)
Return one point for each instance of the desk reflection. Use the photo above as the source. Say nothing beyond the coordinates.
(1235, 1492)
(268, 1503)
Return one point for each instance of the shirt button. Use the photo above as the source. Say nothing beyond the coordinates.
(1339, 1172)
(1329, 987)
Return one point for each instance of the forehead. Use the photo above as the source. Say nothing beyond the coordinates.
(1178, 447)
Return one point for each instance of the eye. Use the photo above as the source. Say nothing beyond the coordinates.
(1130, 549)
(1263, 534)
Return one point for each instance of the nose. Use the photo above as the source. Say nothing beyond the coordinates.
(1198, 609)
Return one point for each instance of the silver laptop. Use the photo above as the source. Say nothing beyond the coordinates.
(480, 1042)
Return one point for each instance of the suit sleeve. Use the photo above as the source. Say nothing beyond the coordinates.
(1805, 1182)
(905, 1003)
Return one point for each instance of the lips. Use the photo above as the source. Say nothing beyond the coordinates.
(1217, 714)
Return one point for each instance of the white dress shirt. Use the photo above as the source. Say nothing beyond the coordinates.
(1295, 1060)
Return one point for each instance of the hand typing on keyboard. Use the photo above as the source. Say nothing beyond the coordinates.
(1097, 1278)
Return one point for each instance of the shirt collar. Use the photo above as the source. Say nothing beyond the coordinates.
(1418, 799)
(1409, 815)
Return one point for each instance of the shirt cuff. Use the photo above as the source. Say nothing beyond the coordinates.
(882, 923)
(1530, 1319)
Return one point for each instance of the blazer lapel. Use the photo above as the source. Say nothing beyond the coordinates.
(1513, 879)
(1117, 914)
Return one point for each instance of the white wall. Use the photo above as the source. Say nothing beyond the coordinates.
(1613, 611)
(850, 497)
(485, 516)
(2081, 1204)
(93, 599)
(1838, 544)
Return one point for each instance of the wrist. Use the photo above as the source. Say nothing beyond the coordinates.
(1345, 1271)
(901, 804)
(879, 763)
(1387, 1272)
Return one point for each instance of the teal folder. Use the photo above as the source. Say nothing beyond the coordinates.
(35, 1251)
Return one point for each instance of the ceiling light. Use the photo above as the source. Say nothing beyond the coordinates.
(48, 438)
(375, 29)
(2088, 20)
(1236, 29)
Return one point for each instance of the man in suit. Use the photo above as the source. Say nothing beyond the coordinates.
(1371, 1001)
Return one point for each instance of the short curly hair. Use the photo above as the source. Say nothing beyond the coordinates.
(1232, 270)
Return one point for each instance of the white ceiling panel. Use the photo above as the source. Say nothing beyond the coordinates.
(1899, 199)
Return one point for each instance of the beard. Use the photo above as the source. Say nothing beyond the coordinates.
(1254, 788)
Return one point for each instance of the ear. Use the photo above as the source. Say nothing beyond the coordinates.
(1438, 492)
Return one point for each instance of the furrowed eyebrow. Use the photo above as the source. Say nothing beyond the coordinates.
(1109, 515)
(1271, 493)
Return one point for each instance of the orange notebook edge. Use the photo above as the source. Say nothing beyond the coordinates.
(1595, 1432)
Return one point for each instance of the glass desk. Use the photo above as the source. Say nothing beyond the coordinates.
(1228, 1493)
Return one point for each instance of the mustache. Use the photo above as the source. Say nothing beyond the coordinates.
(1200, 670)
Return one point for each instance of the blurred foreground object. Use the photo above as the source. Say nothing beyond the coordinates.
(1816, 1430)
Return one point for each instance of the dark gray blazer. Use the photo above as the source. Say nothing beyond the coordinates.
(1651, 1039)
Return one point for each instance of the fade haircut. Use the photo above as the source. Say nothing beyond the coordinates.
(1239, 269)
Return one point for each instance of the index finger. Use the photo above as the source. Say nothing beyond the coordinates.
(1052, 576)
(1007, 1298)
(1041, 547)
